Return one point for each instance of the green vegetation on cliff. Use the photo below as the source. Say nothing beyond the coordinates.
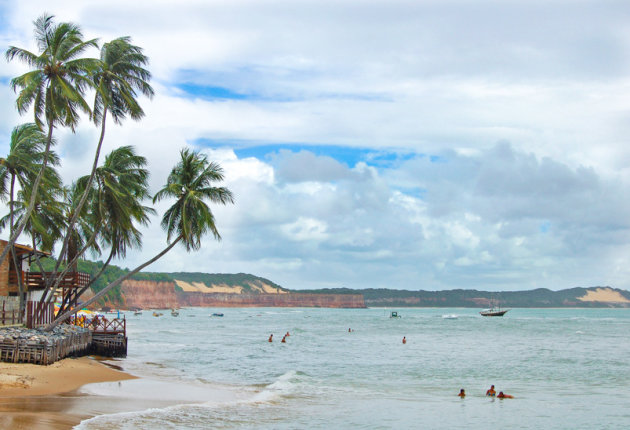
(244, 280)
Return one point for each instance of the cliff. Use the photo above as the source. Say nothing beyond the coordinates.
(149, 294)
(163, 295)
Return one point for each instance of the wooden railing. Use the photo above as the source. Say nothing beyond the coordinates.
(70, 280)
(101, 325)
(37, 280)
(39, 314)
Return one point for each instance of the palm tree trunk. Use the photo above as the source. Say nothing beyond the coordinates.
(77, 210)
(20, 281)
(59, 319)
(11, 204)
(31, 203)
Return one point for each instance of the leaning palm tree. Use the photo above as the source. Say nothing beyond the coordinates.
(189, 219)
(54, 87)
(118, 78)
(115, 205)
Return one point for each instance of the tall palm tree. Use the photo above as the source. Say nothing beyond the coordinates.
(54, 87)
(115, 203)
(19, 169)
(190, 183)
(118, 78)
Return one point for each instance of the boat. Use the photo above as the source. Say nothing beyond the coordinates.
(217, 314)
(449, 317)
(156, 314)
(174, 312)
(493, 312)
(394, 314)
(137, 312)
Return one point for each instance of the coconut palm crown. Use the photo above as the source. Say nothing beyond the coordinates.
(59, 77)
(190, 183)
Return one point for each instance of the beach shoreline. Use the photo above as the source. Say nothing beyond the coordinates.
(41, 397)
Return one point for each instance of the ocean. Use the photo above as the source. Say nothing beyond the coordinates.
(566, 368)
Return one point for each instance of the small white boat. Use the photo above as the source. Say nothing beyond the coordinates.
(394, 314)
(449, 317)
(137, 312)
(174, 312)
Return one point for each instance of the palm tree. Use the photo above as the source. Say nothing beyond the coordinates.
(54, 87)
(115, 203)
(117, 79)
(24, 161)
(22, 165)
(190, 182)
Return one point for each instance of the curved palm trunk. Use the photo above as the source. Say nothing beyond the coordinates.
(31, 203)
(59, 319)
(77, 211)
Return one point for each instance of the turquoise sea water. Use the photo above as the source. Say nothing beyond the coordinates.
(567, 369)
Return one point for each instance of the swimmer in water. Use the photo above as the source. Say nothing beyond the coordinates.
(404, 340)
(504, 396)
(491, 392)
(284, 339)
(271, 337)
(287, 335)
(462, 393)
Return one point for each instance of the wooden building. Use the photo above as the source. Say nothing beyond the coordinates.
(34, 282)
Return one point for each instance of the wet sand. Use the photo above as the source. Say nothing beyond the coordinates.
(45, 397)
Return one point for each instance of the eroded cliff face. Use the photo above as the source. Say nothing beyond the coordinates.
(149, 294)
(162, 295)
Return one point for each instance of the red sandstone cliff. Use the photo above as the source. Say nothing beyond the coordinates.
(149, 294)
(162, 295)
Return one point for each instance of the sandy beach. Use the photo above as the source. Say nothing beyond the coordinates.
(43, 397)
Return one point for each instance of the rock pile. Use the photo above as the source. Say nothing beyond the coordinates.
(22, 345)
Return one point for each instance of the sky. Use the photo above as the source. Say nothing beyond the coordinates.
(407, 144)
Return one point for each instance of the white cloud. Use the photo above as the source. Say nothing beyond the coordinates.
(527, 119)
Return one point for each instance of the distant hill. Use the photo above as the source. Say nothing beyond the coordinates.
(243, 283)
(538, 298)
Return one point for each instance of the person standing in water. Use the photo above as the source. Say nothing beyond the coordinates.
(491, 392)
(404, 340)
(271, 337)
(462, 393)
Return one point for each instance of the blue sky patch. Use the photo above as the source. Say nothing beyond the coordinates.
(544, 227)
(347, 155)
(213, 93)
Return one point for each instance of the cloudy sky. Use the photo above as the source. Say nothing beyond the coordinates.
(416, 144)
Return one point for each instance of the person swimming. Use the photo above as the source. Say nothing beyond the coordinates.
(462, 393)
(284, 339)
(404, 340)
(287, 335)
(504, 396)
(271, 337)
(491, 392)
